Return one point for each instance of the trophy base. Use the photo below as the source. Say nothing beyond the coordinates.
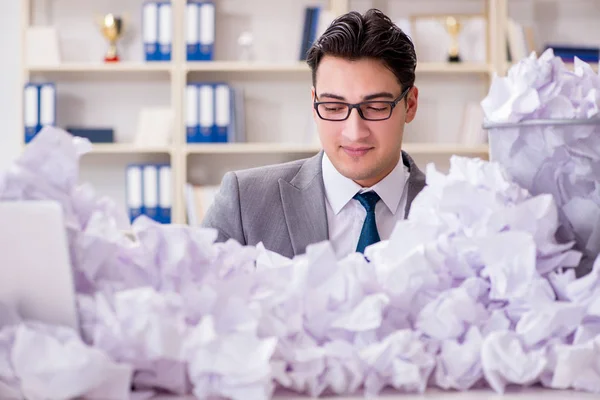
(454, 59)
(110, 59)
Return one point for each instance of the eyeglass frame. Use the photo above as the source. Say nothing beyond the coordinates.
(351, 106)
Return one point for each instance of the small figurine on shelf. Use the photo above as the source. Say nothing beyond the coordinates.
(112, 27)
(246, 43)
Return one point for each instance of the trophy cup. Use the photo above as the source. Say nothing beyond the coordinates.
(453, 27)
(112, 29)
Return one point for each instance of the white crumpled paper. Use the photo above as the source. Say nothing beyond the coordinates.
(47, 362)
(473, 289)
(550, 140)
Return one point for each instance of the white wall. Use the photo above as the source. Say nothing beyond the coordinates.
(10, 48)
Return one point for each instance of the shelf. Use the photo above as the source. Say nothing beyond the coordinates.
(101, 67)
(269, 148)
(128, 148)
(240, 66)
(250, 148)
(237, 66)
(453, 68)
(234, 66)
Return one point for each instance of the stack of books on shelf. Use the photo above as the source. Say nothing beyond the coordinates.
(316, 21)
(567, 53)
(198, 198)
(214, 113)
(149, 191)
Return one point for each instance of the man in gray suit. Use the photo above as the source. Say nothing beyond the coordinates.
(354, 191)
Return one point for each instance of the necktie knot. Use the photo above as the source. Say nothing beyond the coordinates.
(368, 200)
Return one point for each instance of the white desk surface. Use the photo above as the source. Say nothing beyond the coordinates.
(533, 393)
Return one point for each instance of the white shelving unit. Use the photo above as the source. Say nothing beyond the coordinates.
(244, 67)
(170, 78)
(103, 68)
(126, 148)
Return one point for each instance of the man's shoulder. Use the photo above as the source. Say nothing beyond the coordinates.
(270, 174)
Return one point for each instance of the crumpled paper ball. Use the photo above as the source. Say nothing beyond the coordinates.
(472, 290)
(544, 128)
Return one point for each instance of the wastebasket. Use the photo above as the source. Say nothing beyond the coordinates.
(560, 157)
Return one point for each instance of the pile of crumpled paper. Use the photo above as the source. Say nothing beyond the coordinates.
(472, 290)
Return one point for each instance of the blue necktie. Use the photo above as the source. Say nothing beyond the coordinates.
(369, 234)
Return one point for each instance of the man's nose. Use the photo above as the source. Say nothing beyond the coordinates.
(355, 127)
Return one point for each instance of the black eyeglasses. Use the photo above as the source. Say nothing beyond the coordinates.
(372, 110)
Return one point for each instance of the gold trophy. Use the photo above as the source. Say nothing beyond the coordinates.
(453, 27)
(112, 29)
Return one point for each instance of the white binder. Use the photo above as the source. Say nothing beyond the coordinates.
(164, 194)
(150, 188)
(134, 191)
(192, 110)
(207, 30)
(206, 112)
(150, 31)
(47, 105)
(192, 29)
(165, 31)
(31, 111)
(222, 112)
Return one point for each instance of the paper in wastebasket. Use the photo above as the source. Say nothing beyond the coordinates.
(544, 128)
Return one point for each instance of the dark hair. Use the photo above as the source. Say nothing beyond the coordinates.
(372, 35)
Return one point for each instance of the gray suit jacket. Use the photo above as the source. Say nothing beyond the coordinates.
(282, 206)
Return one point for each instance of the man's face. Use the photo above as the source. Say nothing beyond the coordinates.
(364, 151)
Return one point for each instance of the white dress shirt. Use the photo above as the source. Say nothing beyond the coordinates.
(345, 215)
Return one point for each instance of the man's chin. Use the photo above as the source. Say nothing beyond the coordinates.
(357, 176)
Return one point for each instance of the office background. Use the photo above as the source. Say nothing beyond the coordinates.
(273, 85)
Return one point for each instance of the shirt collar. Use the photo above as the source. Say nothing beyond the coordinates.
(340, 190)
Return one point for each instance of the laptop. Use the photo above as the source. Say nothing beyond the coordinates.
(36, 278)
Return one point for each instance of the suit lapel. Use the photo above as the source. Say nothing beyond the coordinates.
(416, 181)
(303, 200)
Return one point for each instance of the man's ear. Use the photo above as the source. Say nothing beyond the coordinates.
(412, 103)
